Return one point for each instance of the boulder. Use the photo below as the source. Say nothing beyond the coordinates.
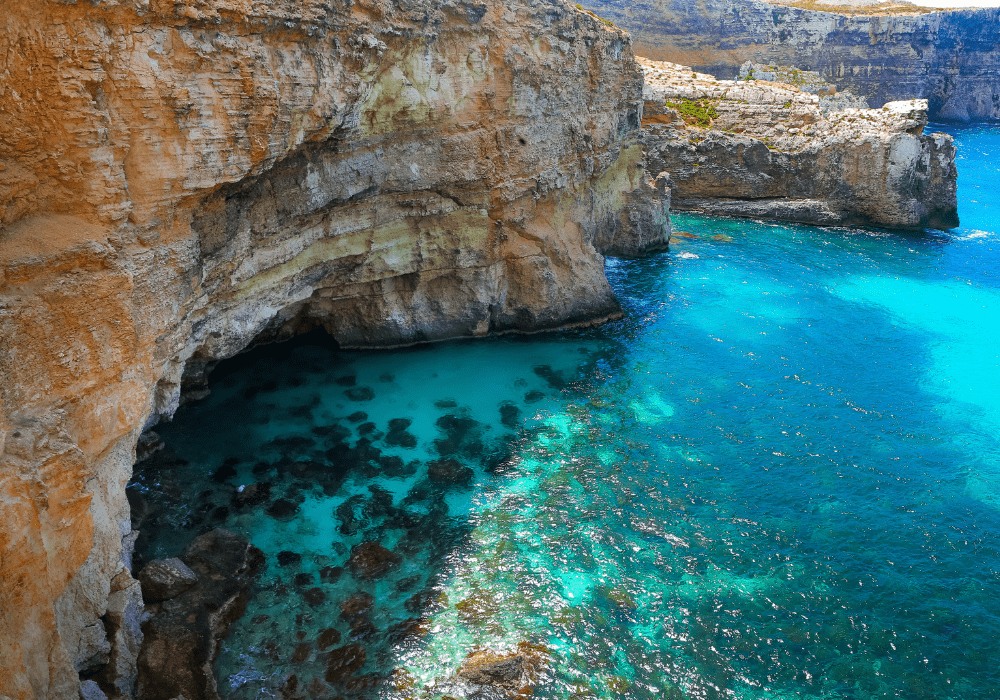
(163, 579)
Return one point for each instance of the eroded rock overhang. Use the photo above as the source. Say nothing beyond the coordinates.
(181, 177)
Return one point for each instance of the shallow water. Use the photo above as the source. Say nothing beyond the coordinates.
(776, 477)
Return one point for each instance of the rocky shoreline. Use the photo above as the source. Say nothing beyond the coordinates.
(766, 150)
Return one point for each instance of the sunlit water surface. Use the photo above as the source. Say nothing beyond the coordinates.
(777, 477)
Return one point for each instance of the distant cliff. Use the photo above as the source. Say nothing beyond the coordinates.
(952, 59)
(766, 150)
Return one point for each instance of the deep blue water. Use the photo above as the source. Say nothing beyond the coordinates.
(777, 477)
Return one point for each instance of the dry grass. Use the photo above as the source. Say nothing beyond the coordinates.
(885, 8)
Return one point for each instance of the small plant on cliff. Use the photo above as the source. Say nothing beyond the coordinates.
(698, 113)
(581, 8)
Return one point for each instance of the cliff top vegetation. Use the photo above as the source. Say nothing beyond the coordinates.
(857, 8)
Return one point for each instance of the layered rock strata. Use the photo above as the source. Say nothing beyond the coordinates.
(179, 177)
(766, 150)
(951, 58)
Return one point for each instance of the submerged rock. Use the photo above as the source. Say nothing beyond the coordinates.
(509, 413)
(407, 629)
(301, 653)
(226, 471)
(286, 558)
(398, 435)
(282, 509)
(330, 574)
(345, 661)
(554, 378)
(370, 560)
(314, 596)
(347, 380)
(163, 579)
(251, 495)
(450, 472)
(360, 393)
(360, 603)
(327, 638)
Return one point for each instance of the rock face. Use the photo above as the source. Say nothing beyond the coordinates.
(765, 150)
(180, 178)
(182, 634)
(164, 579)
(949, 58)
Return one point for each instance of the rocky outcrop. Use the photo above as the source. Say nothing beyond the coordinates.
(766, 150)
(951, 59)
(182, 633)
(486, 673)
(180, 177)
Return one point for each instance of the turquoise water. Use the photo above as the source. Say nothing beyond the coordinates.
(777, 477)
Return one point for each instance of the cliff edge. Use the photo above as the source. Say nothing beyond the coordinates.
(766, 150)
(181, 177)
(950, 58)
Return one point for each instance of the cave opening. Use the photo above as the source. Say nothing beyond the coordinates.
(357, 475)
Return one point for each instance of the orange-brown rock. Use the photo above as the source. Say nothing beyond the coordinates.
(179, 177)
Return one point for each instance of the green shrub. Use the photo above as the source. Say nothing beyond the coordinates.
(695, 112)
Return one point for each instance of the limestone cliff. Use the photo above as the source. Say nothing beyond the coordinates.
(952, 58)
(766, 150)
(178, 177)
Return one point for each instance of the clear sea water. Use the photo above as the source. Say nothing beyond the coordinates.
(777, 477)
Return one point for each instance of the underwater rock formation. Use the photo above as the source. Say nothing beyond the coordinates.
(766, 150)
(951, 58)
(179, 178)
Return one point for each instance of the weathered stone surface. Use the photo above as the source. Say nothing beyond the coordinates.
(182, 634)
(89, 690)
(949, 58)
(179, 179)
(765, 150)
(486, 673)
(123, 621)
(164, 579)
